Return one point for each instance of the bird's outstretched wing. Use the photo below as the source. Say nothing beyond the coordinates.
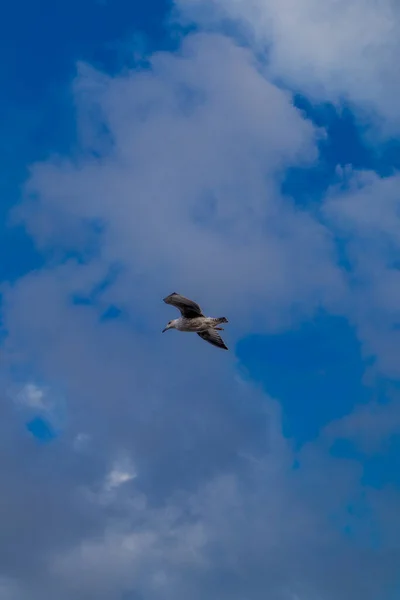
(188, 308)
(212, 337)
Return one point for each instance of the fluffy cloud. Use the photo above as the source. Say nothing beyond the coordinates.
(172, 478)
(331, 50)
(188, 190)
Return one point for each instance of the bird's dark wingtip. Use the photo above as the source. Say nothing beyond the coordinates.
(169, 296)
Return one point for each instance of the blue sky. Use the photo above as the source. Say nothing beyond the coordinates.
(245, 155)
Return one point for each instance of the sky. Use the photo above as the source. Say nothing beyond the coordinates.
(246, 154)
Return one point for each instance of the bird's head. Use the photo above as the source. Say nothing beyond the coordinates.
(170, 325)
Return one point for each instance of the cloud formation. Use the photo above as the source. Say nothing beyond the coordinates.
(363, 210)
(172, 478)
(191, 182)
(330, 51)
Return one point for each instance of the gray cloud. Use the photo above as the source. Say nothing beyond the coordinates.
(185, 195)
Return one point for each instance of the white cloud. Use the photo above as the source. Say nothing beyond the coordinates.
(187, 189)
(33, 396)
(120, 473)
(327, 49)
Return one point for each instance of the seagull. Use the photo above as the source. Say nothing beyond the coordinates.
(193, 320)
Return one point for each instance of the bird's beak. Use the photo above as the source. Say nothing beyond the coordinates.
(164, 330)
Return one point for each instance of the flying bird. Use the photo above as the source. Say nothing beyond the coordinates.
(194, 321)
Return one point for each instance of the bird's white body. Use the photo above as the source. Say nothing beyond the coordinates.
(194, 321)
(196, 324)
